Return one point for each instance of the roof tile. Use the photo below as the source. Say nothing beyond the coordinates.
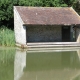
(48, 15)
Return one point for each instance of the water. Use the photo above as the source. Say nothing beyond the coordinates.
(16, 64)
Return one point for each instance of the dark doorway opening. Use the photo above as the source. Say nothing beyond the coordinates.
(65, 33)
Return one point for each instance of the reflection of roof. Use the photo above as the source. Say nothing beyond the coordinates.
(48, 15)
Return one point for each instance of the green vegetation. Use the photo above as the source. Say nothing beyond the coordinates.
(6, 37)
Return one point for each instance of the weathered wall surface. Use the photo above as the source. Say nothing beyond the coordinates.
(78, 35)
(44, 34)
(20, 30)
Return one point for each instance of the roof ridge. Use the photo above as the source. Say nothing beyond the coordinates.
(75, 12)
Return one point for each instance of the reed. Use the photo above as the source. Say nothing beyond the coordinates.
(6, 37)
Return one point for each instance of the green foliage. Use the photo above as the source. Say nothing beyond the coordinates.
(77, 6)
(6, 12)
(6, 37)
(46, 3)
(70, 2)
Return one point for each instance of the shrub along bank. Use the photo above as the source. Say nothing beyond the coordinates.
(6, 37)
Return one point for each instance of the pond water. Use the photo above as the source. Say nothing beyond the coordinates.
(16, 64)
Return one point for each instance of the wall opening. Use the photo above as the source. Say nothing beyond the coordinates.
(43, 33)
(66, 34)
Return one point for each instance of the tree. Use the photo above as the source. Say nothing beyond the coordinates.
(77, 6)
(6, 12)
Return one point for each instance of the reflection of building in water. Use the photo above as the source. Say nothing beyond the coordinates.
(78, 52)
(19, 64)
(52, 66)
(70, 59)
(47, 66)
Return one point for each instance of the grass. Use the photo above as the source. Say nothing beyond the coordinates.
(6, 37)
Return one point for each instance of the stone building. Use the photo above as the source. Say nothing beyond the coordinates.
(46, 25)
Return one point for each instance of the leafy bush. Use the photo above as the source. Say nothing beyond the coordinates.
(6, 37)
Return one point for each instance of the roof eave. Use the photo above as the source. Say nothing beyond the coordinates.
(53, 24)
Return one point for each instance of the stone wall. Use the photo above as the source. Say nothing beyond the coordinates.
(44, 34)
(20, 30)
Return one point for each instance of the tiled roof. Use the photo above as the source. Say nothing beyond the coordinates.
(48, 15)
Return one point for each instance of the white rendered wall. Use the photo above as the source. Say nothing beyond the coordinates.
(20, 30)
